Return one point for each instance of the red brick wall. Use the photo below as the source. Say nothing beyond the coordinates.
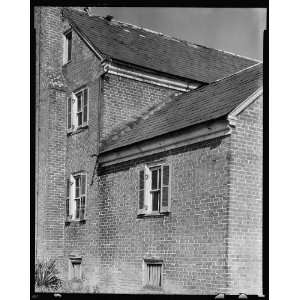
(191, 240)
(245, 216)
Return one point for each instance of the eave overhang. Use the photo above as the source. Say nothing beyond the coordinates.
(185, 137)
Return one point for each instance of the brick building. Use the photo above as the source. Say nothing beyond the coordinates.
(149, 159)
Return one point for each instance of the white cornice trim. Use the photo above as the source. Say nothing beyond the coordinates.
(178, 85)
(195, 135)
(232, 117)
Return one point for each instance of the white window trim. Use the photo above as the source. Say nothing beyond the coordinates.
(72, 203)
(74, 111)
(65, 46)
(147, 210)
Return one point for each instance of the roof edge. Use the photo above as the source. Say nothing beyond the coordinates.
(187, 136)
(232, 116)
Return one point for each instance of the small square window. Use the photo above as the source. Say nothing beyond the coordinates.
(153, 274)
(75, 269)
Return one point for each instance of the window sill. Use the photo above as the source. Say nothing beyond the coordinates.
(153, 215)
(79, 129)
(81, 221)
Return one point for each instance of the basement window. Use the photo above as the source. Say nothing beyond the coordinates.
(75, 269)
(153, 274)
(76, 197)
(154, 189)
(67, 47)
(77, 110)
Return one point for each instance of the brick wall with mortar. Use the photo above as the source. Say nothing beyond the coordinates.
(191, 240)
(245, 213)
(122, 100)
(127, 99)
(50, 140)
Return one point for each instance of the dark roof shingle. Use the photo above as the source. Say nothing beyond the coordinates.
(138, 46)
(206, 103)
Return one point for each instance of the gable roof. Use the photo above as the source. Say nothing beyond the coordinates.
(206, 103)
(155, 51)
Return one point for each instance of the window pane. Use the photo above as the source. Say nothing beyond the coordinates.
(79, 118)
(165, 175)
(83, 203)
(83, 184)
(69, 120)
(77, 186)
(67, 207)
(85, 97)
(141, 199)
(155, 200)
(84, 114)
(165, 196)
(142, 179)
(154, 185)
(79, 100)
(68, 188)
(77, 208)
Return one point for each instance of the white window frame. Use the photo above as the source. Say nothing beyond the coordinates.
(74, 213)
(74, 109)
(66, 41)
(149, 192)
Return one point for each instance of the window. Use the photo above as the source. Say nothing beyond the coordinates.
(154, 189)
(76, 196)
(77, 110)
(67, 47)
(75, 269)
(153, 274)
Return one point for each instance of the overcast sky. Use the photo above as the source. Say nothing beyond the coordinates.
(236, 30)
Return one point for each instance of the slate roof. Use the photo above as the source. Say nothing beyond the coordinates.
(203, 104)
(155, 51)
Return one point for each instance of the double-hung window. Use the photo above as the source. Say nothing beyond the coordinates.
(76, 197)
(154, 189)
(77, 110)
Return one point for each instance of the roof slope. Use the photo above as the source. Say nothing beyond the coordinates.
(200, 105)
(155, 51)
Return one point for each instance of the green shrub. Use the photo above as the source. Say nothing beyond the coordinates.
(46, 276)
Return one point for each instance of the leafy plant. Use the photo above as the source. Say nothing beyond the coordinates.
(46, 275)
